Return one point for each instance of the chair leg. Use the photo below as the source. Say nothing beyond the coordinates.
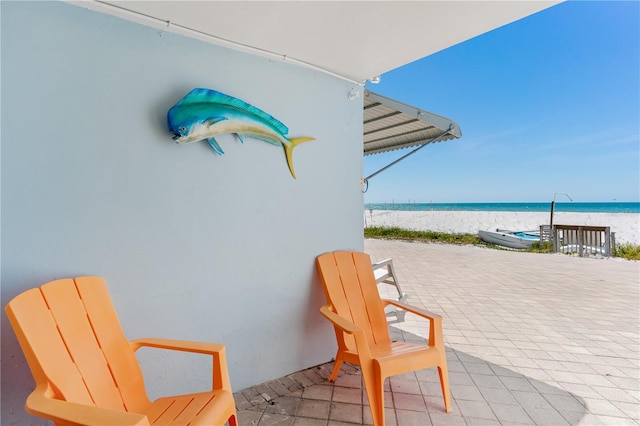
(336, 367)
(444, 384)
(374, 385)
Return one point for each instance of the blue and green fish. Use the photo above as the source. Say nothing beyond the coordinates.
(205, 114)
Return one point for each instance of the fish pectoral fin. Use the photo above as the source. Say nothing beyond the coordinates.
(213, 120)
(240, 138)
(215, 146)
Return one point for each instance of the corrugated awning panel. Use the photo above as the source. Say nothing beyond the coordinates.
(390, 125)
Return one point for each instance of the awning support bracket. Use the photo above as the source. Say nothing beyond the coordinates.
(365, 181)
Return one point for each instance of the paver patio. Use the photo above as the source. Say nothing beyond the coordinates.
(531, 339)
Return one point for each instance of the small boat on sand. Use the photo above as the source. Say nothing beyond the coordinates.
(511, 239)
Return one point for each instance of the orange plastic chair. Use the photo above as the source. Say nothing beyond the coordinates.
(357, 312)
(86, 372)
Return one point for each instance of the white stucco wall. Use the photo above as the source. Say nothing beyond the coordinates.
(192, 245)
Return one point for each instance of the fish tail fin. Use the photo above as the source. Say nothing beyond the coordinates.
(288, 151)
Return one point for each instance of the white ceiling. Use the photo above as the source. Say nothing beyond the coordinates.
(355, 40)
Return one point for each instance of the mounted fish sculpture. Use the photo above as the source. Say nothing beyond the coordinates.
(205, 114)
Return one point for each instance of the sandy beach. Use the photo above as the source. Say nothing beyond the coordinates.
(625, 225)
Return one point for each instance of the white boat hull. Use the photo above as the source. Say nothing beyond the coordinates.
(508, 239)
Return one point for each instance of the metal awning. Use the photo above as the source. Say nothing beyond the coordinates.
(391, 125)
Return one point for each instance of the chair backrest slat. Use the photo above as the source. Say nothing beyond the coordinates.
(350, 287)
(78, 336)
(121, 359)
(372, 300)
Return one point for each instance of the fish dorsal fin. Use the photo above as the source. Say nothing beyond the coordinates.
(197, 96)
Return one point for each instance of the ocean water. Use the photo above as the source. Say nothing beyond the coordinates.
(575, 207)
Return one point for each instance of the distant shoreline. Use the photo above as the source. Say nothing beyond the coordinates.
(625, 225)
(576, 207)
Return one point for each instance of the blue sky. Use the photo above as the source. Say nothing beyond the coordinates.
(547, 104)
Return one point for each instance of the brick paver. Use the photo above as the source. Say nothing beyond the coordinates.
(531, 339)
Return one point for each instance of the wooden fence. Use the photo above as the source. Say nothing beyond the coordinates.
(583, 240)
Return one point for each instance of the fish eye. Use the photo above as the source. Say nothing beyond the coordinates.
(184, 129)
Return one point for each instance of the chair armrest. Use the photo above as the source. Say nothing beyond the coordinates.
(381, 263)
(435, 320)
(71, 413)
(413, 309)
(349, 328)
(178, 345)
(338, 321)
(386, 276)
(216, 350)
(385, 273)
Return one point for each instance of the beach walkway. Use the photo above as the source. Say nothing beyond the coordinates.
(531, 339)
